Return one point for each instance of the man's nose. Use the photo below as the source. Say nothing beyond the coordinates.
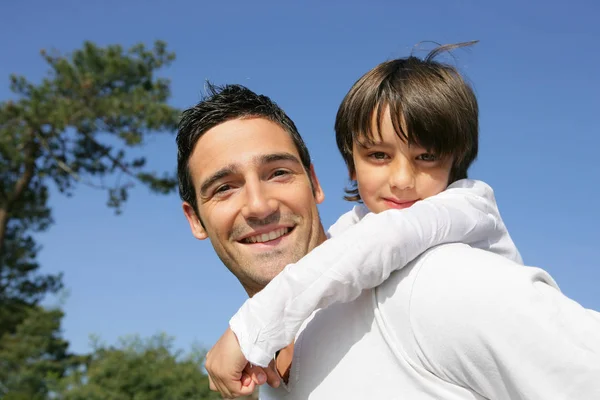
(259, 203)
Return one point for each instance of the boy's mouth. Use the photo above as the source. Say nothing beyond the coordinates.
(398, 204)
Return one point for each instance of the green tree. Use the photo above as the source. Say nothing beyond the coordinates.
(79, 125)
(34, 356)
(138, 369)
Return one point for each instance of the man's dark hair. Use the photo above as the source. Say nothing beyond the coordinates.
(430, 105)
(222, 104)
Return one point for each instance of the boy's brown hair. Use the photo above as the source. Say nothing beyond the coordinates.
(430, 105)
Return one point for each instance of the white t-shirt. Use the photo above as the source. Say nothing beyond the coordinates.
(457, 323)
(363, 251)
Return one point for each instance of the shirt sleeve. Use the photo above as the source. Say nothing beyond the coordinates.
(362, 257)
(502, 330)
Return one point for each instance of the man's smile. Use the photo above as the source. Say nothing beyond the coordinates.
(266, 236)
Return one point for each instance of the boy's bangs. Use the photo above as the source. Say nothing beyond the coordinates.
(417, 126)
(425, 120)
(368, 132)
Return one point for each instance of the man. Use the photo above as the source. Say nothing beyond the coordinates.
(456, 323)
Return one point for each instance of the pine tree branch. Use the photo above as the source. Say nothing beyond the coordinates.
(20, 186)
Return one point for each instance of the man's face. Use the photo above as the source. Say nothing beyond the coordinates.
(255, 199)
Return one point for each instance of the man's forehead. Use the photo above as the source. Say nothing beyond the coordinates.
(239, 143)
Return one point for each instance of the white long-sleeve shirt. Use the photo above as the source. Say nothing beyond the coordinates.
(457, 323)
(363, 255)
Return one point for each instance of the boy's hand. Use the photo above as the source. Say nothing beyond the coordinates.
(230, 373)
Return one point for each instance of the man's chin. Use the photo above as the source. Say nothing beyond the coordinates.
(268, 265)
(260, 276)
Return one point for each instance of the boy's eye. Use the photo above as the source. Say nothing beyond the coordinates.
(427, 157)
(378, 155)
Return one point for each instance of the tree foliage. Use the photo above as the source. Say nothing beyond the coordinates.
(82, 124)
(138, 369)
(77, 126)
(34, 357)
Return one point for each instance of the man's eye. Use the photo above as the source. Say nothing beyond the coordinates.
(221, 189)
(279, 172)
(378, 155)
(427, 157)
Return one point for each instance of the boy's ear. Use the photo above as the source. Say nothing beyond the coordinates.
(317, 189)
(195, 225)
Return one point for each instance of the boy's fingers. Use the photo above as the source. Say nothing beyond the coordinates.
(272, 376)
(256, 373)
(219, 388)
(260, 375)
(246, 390)
(243, 387)
(246, 379)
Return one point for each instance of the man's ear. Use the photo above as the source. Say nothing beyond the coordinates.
(317, 190)
(195, 225)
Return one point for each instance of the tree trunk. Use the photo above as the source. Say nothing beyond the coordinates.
(3, 225)
(20, 187)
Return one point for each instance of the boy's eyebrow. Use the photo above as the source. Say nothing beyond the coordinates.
(220, 174)
(366, 144)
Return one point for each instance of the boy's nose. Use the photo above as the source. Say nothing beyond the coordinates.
(402, 176)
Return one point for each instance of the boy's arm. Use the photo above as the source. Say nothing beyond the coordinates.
(362, 257)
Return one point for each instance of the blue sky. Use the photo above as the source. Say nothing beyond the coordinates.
(535, 72)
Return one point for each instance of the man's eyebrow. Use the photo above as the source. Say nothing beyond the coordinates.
(274, 157)
(220, 174)
(234, 169)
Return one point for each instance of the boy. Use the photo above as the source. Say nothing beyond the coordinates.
(406, 129)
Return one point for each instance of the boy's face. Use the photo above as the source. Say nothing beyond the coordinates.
(391, 174)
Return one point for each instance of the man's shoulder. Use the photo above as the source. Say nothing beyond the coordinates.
(454, 251)
(457, 260)
(454, 282)
(456, 268)
(453, 291)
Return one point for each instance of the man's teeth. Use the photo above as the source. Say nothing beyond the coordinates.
(265, 237)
